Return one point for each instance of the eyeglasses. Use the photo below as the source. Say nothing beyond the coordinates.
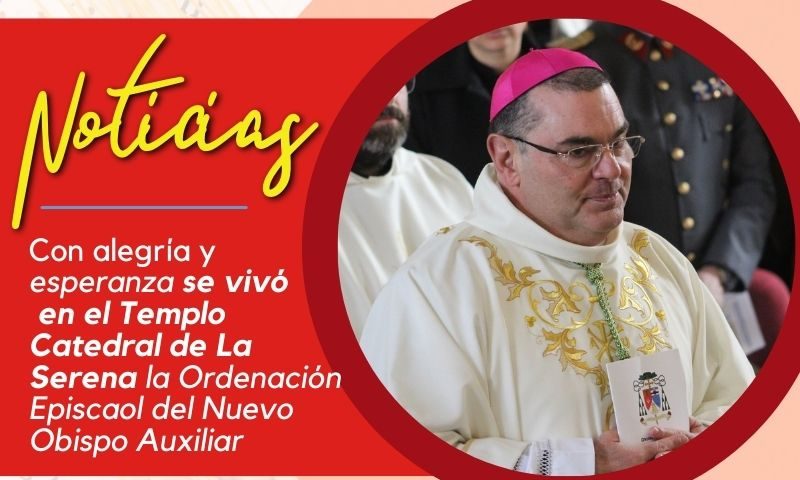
(622, 149)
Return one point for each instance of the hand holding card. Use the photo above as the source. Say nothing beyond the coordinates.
(611, 454)
(648, 391)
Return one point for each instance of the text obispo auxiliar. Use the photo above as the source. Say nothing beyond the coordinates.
(169, 335)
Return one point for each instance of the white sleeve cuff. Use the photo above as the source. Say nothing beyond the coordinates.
(566, 456)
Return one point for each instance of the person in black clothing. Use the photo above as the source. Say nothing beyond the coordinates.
(451, 98)
(703, 181)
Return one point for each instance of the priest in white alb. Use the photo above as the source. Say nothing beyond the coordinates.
(495, 335)
(393, 201)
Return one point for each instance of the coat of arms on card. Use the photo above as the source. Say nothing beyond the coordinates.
(653, 404)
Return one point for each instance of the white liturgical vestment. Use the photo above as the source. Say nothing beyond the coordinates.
(492, 337)
(385, 218)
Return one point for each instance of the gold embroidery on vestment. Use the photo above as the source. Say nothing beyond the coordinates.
(640, 241)
(609, 417)
(557, 311)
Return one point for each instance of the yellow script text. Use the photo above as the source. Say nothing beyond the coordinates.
(194, 119)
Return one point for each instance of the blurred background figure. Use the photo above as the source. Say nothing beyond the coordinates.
(546, 31)
(393, 201)
(451, 98)
(452, 95)
(704, 180)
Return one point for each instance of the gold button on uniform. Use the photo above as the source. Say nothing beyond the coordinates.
(717, 94)
(670, 118)
(677, 153)
(655, 55)
(691, 256)
(663, 85)
(688, 223)
(726, 164)
(728, 127)
(684, 188)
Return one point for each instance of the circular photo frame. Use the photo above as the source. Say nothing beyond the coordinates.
(346, 133)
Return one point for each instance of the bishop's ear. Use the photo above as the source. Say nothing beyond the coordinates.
(502, 150)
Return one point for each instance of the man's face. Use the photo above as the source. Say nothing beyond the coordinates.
(500, 39)
(385, 136)
(578, 205)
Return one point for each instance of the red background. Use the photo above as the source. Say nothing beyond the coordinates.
(277, 67)
(322, 70)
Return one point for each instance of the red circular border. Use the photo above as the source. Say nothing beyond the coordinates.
(357, 114)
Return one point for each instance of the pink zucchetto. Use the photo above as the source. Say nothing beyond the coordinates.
(532, 69)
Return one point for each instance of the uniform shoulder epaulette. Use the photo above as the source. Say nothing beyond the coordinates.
(573, 43)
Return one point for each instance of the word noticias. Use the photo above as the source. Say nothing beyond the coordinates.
(90, 127)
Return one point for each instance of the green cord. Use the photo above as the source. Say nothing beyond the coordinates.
(595, 276)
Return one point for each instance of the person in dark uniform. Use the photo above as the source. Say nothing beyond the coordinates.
(703, 180)
(451, 98)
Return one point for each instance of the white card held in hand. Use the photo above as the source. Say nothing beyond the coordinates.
(648, 391)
